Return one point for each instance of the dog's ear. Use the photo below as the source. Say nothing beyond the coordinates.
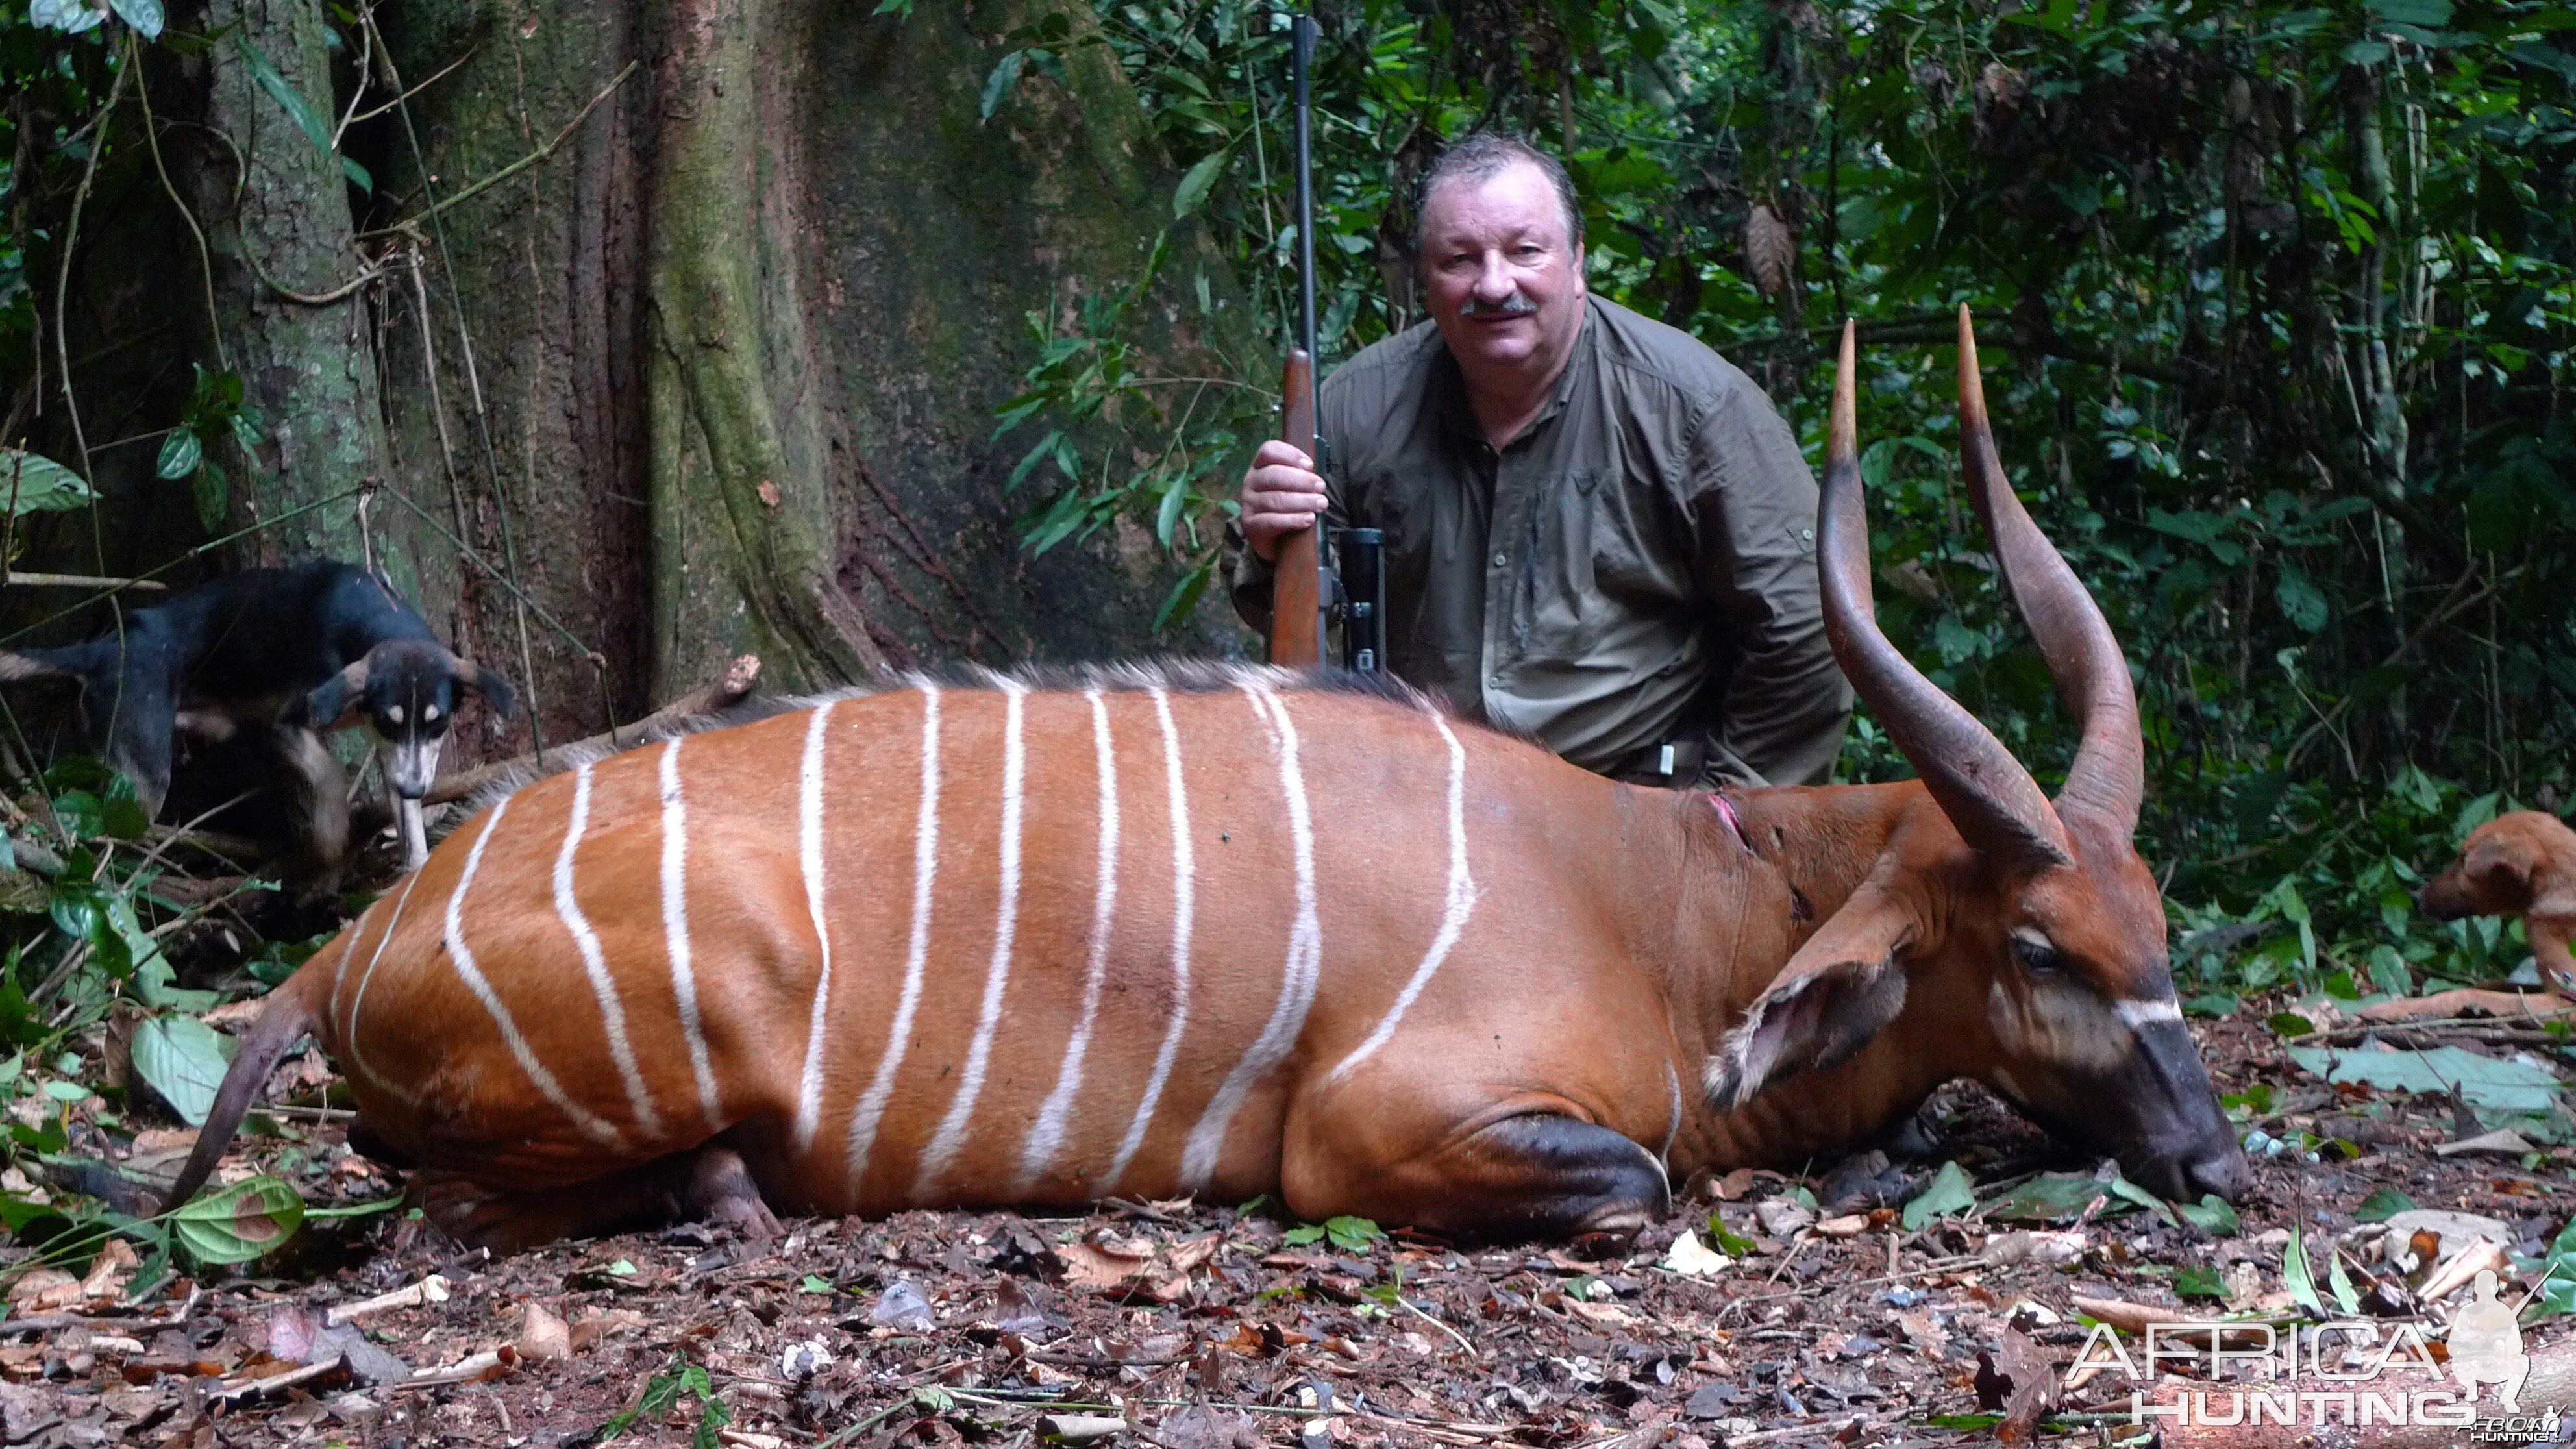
(487, 683)
(330, 704)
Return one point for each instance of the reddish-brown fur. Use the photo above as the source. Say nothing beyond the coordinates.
(1592, 1008)
(2520, 864)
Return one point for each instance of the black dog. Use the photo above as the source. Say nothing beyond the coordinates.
(294, 651)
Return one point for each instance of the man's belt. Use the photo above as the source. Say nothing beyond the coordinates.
(1673, 762)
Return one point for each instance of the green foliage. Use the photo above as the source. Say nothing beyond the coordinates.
(662, 1394)
(1950, 1193)
(237, 1223)
(1347, 1234)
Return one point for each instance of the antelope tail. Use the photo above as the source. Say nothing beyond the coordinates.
(293, 1011)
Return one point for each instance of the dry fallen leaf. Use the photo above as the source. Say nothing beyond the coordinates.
(1849, 1226)
(107, 1276)
(1691, 1258)
(596, 1326)
(2020, 1381)
(1099, 1267)
(45, 1290)
(542, 1334)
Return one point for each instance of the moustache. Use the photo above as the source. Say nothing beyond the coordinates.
(1514, 305)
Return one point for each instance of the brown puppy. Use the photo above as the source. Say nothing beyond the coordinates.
(2520, 864)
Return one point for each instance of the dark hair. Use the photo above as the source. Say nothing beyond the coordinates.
(1482, 154)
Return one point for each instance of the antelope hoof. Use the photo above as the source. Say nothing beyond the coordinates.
(721, 1192)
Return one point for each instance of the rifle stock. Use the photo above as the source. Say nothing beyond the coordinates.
(1296, 630)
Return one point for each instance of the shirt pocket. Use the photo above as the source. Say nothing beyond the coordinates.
(1596, 559)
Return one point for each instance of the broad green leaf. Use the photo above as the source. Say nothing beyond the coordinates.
(2302, 603)
(121, 810)
(2341, 1282)
(1195, 185)
(38, 484)
(2382, 1204)
(1184, 598)
(184, 1060)
(2298, 1276)
(283, 91)
(179, 454)
(238, 1223)
(2289, 1023)
(71, 15)
(2483, 1081)
(2129, 1191)
(2054, 1197)
(2199, 1282)
(143, 15)
(1005, 75)
(1730, 1243)
(212, 494)
(2212, 1215)
(1353, 1234)
(2432, 13)
(1950, 1193)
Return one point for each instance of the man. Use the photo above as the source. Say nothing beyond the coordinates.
(1598, 532)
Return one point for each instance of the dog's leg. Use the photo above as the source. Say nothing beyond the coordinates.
(321, 796)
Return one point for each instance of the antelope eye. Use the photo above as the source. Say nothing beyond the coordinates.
(2037, 956)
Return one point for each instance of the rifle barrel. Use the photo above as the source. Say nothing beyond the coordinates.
(1296, 590)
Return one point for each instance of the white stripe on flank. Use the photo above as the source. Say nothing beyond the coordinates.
(970, 1081)
(675, 926)
(612, 1013)
(1461, 902)
(463, 959)
(809, 815)
(1298, 980)
(2139, 1013)
(1047, 1135)
(925, 866)
(358, 998)
(1184, 887)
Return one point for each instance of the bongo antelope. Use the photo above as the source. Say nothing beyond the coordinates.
(1227, 930)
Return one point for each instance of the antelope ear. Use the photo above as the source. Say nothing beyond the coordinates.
(1841, 989)
(332, 703)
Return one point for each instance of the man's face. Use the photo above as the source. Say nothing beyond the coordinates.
(1506, 282)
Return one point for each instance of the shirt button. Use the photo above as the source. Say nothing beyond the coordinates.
(1501, 559)
(1806, 535)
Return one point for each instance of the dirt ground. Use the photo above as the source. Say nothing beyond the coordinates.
(1187, 1326)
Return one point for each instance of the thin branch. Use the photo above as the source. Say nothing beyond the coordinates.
(515, 167)
(205, 254)
(75, 581)
(442, 73)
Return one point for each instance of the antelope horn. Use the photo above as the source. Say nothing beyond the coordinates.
(1994, 803)
(2108, 776)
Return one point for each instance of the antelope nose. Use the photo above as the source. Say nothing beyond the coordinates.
(2221, 1170)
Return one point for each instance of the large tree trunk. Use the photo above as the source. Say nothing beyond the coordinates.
(278, 225)
(685, 332)
(739, 340)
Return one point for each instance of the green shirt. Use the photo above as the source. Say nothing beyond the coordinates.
(1637, 568)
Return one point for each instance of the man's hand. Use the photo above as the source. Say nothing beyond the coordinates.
(1280, 495)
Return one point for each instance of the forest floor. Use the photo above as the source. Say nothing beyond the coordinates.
(1185, 1326)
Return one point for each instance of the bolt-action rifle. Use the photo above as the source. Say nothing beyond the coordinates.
(1305, 591)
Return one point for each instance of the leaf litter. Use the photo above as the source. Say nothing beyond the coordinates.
(1948, 1314)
